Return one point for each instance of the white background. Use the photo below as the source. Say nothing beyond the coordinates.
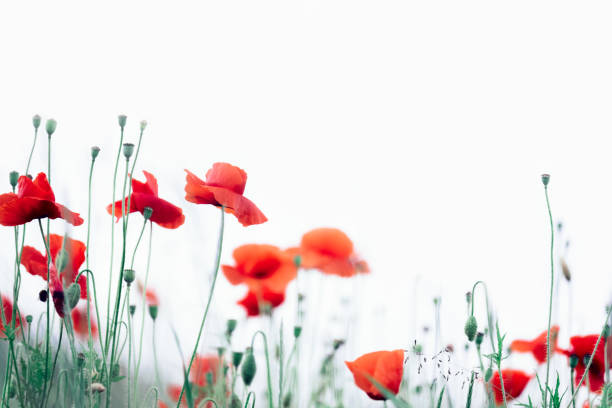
(419, 128)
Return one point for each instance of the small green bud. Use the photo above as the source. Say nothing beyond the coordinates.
(545, 179)
(471, 326)
(606, 332)
(468, 297)
(573, 361)
(13, 178)
(249, 367)
(230, 326)
(29, 319)
(488, 374)
(132, 310)
(61, 261)
(287, 400)
(479, 339)
(297, 330)
(128, 150)
(143, 125)
(147, 213)
(209, 377)
(153, 310)
(338, 343)
(236, 358)
(585, 359)
(94, 152)
(36, 121)
(297, 260)
(220, 351)
(122, 120)
(418, 389)
(73, 294)
(129, 275)
(50, 126)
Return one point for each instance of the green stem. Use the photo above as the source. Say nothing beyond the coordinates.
(42, 233)
(552, 281)
(129, 398)
(157, 378)
(572, 387)
(143, 304)
(265, 340)
(59, 345)
(210, 297)
(32, 151)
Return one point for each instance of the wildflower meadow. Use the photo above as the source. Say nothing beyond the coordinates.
(89, 347)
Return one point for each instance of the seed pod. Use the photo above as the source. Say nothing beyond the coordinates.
(128, 150)
(573, 361)
(153, 309)
(545, 179)
(143, 125)
(231, 326)
(471, 326)
(479, 338)
(147, 213)
(50, 126)
(94, 152)
(129, 275)
(13, 178)
(36, 121)
(297, 330)
(236, 358)
(122, 119)
(132, 310)
(249, 367)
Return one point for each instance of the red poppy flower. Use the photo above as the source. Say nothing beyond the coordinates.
(515, 382)
(224, 186)
(79, 321)
(203, 366)
(537, 346)
(386, 367)
(34, 200)
(7, 308)
(252, 301)
(582, 347)
(261, 267)
(36, 264)
(150, 296)
(331, 251)
(145, 195)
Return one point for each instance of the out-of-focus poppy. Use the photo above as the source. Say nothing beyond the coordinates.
(34, 200)
(144, 195)
(537, 346)
(385, 367)
(7, 308)
(515, 382)
(331, 251)
(150, 297)
(253, 303)
(204, 367)
(79, 321)
(224, 186)
(36, 264)
(261, 267)
(582, 347)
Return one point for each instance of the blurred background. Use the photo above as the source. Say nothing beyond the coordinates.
(419, 129)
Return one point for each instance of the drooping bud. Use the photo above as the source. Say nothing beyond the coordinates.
(479, 339)
(129, 275)
(128, 150)
(230, 327)
(297, 330)
(94, 152)
(132, 310)
(122, 119)
(73, 294)
(143, 125)
(573, 361)
(97, 387)
(338, 343)
(13, 179)
(249, 367)
(36, 121)
(50, 126)
(153, 310)
(147, 213)
(545, 179)
(471, 326)
(61, 261)
(236, 358)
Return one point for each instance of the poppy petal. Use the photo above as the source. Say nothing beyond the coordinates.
(227, 176)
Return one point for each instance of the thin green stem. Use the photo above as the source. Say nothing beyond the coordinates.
(32, 151)
(129, 373)
(143, 304)
(269, 378)
(59, 346)
(552, 282)
(157, 377)
(47, 337)
(210, 297)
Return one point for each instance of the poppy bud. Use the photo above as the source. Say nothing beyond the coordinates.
(471, 326)
(297, 330)
(36, 121)
(98, 387)
(122, 119)
(236, 358)
(147, 213)
(73, 294)
(13, 178)
(129, 275)
(418, 389)
(43, 295)
(479, 338)
(153, 309)
(573, 361)
(94, 152)
(80, 360)
(61, 261)
(545, 179)
(128, 150)
(231, 326)
(585, 359)
(287, 400)
(249, 367)
(50, 126)
(606, 332)
(488, 374)
(143, 125)
(468, 297)
(132, 310)
(220, 351)
(29, 319)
